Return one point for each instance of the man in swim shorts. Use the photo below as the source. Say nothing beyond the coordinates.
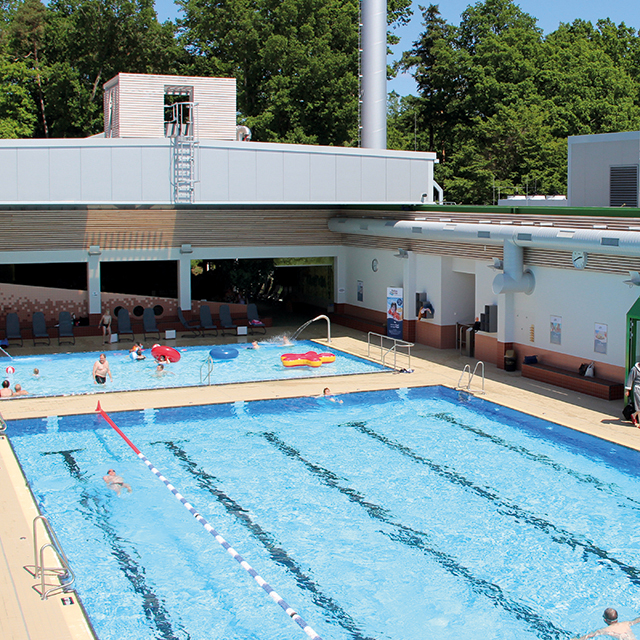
(614, 629)
(115, 482)
(101, 370)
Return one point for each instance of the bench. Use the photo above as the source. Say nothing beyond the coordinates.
(598, 387)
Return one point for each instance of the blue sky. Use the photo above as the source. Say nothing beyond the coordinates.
(549, 14)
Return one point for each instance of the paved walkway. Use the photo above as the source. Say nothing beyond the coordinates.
(23, 616)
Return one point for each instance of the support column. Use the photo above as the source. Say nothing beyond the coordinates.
(409, 294)
(339, 280)
(184, 282)
(93, 284)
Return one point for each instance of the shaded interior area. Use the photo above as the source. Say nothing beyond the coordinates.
(61, 275)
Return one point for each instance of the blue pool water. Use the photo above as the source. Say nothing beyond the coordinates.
(70, 373)
(397, 515)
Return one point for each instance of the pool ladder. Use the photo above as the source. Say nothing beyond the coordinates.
(467, 369)
(205, 376)
(62, 572)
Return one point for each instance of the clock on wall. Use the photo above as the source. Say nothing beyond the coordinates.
(579, 259)
(374, 265)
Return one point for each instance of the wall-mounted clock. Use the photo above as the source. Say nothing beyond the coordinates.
(374, 265)
(579, 259)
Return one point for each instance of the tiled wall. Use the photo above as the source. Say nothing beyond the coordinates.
(24, 300)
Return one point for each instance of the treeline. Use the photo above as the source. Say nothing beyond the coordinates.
(295, 61)
(497, 97)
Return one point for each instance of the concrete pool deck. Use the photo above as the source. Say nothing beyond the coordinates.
(24, 616)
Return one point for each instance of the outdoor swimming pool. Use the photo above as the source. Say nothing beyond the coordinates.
(70, 373)
(402, 515)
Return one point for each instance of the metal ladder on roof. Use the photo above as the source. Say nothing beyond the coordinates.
(55, 578)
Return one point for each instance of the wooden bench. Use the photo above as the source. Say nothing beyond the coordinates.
(598, 387)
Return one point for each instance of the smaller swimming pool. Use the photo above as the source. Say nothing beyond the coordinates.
(70, 373)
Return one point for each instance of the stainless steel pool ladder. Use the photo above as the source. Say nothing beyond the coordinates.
(206, 375)
(467, 369)
(393, 348)
(63, 572)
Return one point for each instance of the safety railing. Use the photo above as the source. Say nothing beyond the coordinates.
(5, 353)
(393, 347)
(467, 369)
(62, 572)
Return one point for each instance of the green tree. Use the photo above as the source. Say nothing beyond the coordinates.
(295, 62)
(499, 100)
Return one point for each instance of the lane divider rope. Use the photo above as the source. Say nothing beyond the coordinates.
(230, 550)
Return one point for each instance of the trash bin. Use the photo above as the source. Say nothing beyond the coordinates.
(510, 360)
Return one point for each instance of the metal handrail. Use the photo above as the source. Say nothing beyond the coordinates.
(467, 369)
(393, 348)
(64, 573)
(300, 329)
(209, 362)
(6, 354)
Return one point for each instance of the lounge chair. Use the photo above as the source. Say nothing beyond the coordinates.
(39, 328)
(13, 328)
(149, 322)
(192, 325)
(254, 319)
(225, 319)
(124, 325)
(206, 321)
(65, 327)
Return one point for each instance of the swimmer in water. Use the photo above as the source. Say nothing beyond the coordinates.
(5, 391)
(329, 396)
(254, 345)
(101, 370)
(614, 629)
(36, 372)
(115, 482)
(19, 391)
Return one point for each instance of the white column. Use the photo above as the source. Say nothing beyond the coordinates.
(340, 276)
(93, 284)
(409, 286)
(184, 282)
(506, 317)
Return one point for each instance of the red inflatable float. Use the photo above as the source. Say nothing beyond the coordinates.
(169, 353)
(309, 359)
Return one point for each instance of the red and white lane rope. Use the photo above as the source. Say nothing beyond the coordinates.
(230, 550)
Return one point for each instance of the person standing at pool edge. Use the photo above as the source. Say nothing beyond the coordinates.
(614, 629)
(101, 370)
(105, 323)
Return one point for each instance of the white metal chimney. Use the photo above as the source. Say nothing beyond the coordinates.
(374, 74)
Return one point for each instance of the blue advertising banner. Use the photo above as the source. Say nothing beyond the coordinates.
(394, 312)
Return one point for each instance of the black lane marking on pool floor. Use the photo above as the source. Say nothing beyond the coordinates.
(153, 607)
(503, 506)
(607, 487)
(416, 539)
(208, 482)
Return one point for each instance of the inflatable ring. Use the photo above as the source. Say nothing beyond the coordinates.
(168, 352)
(309, 359)
(222, 353)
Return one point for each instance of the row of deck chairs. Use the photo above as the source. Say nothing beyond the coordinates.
(39, 328)
(207, 325)
(195, 328)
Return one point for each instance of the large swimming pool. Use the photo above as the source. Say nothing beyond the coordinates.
(70, 373)
(398, 515)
